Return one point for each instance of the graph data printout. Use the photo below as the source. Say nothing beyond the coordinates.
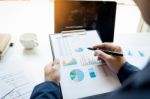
(80, 69)
(22, 86)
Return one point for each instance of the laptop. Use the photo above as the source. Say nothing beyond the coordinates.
(88, 15)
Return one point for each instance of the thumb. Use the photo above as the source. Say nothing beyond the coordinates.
(102, 55)
(56, 64)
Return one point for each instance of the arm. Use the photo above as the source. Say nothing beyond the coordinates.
(117, 64)
(126, 71)
(48, 90)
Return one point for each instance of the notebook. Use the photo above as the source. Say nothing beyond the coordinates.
(4, 43)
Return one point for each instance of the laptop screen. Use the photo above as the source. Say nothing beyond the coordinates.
(89, 15)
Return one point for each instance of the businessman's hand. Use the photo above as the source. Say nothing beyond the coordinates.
(52, 71)
(113, 62)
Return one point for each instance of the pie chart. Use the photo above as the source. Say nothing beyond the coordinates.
(76, 75)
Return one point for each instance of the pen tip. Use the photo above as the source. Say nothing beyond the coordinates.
(89, 48)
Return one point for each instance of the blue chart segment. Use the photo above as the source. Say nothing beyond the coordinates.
(76, 75)
(141, 53)
(130, 53)
(79, 50)
(92, 73)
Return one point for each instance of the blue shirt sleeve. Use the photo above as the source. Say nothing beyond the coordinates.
(126, 71)
(46, 90)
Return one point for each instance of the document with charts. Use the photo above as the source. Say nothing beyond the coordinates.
(82, 74)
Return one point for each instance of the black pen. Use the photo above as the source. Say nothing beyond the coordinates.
(108, 52)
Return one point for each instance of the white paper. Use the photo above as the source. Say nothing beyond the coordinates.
(81, 73)
(133, 45)
(5, 89)
(22, 86)
(137, 56)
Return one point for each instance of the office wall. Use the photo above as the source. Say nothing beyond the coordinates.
(19, 16)
(127, 18)
(26, 16)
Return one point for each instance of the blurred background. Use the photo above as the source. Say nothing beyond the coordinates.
(21, 16)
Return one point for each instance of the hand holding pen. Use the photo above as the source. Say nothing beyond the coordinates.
(108, 52)
(111, 54)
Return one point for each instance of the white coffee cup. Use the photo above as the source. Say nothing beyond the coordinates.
(29, 40)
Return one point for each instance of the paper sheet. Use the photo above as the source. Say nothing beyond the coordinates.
(22, 86)
(5, 89)
(135, 47)
(137, 56)
(80, 70)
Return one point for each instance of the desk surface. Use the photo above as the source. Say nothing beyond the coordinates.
(27, 64)
(32, 62)
(134, 43)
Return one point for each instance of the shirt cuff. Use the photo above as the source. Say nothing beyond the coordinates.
(126, 71)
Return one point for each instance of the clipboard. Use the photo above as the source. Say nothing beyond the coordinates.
(84, 70)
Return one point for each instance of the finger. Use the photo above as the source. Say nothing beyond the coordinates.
(98, 58)
(106, 46)
(51, 63)
(56, 64)
(56, 67)
(101, 60)
(118, 49)
(49, 66)
(102, 55)
(56, 61)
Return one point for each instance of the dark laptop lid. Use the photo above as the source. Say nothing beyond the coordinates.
(89, 15)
